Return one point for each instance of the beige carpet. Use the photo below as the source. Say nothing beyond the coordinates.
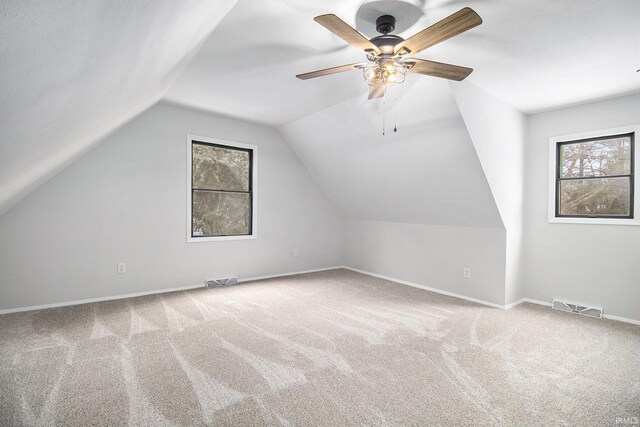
(333, 348)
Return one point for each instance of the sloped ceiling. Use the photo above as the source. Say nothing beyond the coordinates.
(247, 67)
(73, 71)
(532, 54)
(427, 172)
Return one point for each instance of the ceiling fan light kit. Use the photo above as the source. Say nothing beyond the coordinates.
(387, 54)
(384, 71)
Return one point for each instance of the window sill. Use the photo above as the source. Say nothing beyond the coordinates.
(600, 221)
(219, 238)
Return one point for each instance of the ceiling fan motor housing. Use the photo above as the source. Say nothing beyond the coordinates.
(385, 24)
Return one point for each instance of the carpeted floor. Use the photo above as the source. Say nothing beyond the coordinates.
(333, 348)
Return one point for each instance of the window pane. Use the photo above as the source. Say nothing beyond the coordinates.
(604, 197)
(604, 157)
(217, 168)
(221, 214)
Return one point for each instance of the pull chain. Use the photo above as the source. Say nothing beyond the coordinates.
(384, 103)
(384, 114)
(395, 115)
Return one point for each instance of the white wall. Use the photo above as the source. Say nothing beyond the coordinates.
(431, 255)
(417, 203)
(592, 264)
(125, 201)
(426, 173)
(498, 132)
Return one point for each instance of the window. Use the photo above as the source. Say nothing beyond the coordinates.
(593, 177)
(221, 193)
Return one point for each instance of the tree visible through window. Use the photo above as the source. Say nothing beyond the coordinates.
(221, 190)
(594, 177)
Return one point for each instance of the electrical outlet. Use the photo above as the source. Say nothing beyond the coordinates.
(296, 252)
(122, 268)
(466, 273)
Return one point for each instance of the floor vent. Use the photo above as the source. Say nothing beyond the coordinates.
(578, 309)
(227, 281)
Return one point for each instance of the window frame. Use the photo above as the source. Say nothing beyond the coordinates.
(253, 172)
(554, 181)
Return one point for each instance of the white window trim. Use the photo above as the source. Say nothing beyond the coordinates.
(254, 187)
(552, 177)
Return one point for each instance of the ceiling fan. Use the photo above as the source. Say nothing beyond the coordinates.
(388, 54)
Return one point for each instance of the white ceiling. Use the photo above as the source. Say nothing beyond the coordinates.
(532, 54)
(247, 67)
(73, 71)
(525, 53)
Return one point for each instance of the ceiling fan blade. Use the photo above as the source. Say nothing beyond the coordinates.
(455, 24)
(437, 69)
(327, 71)
(346, 32)
(377, 91)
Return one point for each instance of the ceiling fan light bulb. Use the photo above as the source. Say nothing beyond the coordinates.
(398, 76)
(393, 72)
(372, 74)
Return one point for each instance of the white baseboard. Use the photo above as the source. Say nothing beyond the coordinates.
(548, 304)
(140, 294)
(621, 319)
(272, 276)
(427, 288)
(513, 304)
(490, 304)
(522, 300)
(99, 299)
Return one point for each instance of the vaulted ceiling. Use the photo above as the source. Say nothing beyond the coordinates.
(532, 54)
(72, 72)
(405, 176)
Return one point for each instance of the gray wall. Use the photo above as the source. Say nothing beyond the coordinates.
(405, 176)
(125, 201)
(593, 264)
(431, 255)
(498, 132)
